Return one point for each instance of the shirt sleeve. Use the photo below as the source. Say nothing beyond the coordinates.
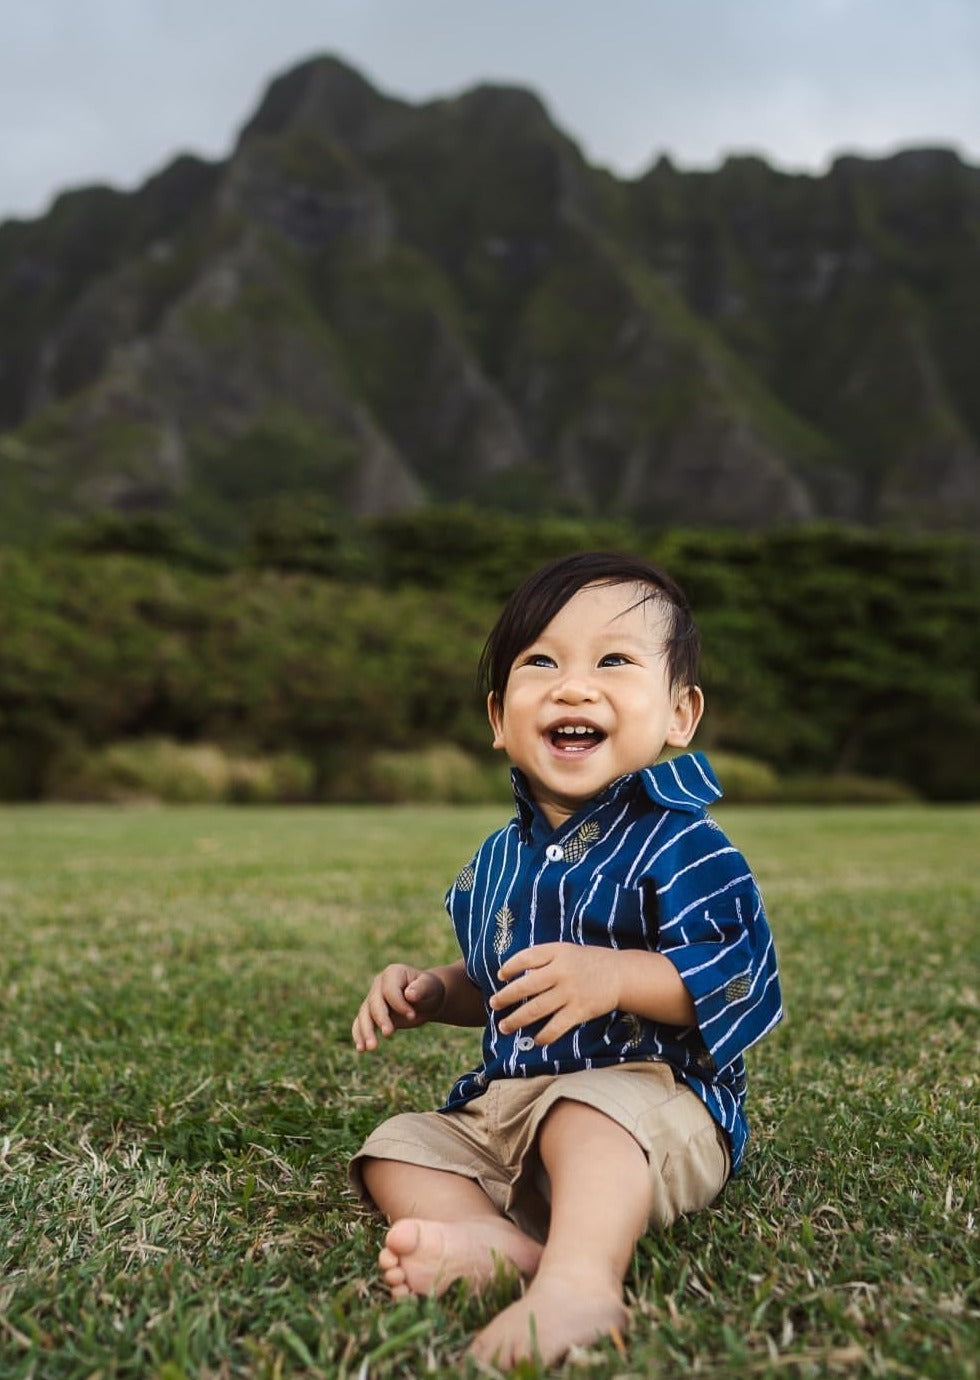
(712, 926)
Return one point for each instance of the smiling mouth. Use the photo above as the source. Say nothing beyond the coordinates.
(573, 738)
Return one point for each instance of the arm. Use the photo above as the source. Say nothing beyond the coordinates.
(463, 1001)
(573, 983)
(401, 996)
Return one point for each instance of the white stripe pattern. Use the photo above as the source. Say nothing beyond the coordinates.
(656, 873)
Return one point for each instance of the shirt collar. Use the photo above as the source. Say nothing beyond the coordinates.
(684, 783)
(523, 799)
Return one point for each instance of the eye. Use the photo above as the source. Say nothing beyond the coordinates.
(538, 659)
(614, 659)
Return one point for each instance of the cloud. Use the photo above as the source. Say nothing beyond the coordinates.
(111, 89)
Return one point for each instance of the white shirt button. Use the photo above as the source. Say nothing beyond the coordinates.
(554, 852)
(525, 1043)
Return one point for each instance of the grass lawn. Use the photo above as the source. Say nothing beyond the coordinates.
(179, 1095)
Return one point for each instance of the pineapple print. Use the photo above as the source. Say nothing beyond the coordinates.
(634, 1032)
(504, 931)
(738, 988)
(465, 880)
(576, 846)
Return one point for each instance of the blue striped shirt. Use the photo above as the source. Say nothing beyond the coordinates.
(641, 866)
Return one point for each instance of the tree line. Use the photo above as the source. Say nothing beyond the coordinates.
(828, 650)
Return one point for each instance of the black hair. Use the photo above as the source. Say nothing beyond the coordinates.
(543, 594)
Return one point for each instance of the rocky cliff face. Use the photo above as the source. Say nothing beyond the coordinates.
(385, 305)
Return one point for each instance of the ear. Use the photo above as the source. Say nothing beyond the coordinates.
(495, 714)
(686, 715)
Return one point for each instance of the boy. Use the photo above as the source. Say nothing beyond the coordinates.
(616, 951)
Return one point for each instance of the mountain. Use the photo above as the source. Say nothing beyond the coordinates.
(374, 305)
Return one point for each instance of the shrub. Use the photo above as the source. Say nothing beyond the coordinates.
(159, 769)
(748, 781)
(440, 773)
(846, 788)
(279, 778)
(26, 754)
(745, 779)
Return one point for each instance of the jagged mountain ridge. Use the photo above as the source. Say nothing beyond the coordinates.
(386, 304)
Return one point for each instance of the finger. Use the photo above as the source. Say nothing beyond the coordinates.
(529, 984)
(420, 989)
(394, 998)
(377, 1015)
(510, 995)
(529, 1013)
(363, 1032)
(504, 998)
(560, 1024)
(535, 957)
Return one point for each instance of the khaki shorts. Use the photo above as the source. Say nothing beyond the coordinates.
(493, 1139)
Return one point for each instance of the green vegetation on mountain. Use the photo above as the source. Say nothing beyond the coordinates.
(392, 306)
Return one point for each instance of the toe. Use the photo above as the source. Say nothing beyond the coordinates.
(492, 1355)
(403, 1236)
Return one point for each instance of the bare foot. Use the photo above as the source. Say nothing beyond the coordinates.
(421, 1257)
(558, 1311)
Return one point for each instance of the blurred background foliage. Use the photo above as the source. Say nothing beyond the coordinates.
(334, 659)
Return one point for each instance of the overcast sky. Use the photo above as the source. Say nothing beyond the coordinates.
(111, 90)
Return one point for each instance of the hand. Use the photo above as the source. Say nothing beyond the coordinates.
(399, 996)
(570, 983)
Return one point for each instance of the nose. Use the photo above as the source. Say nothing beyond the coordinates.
(575, 689)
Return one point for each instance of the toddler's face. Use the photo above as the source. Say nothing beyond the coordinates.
(590, 699)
